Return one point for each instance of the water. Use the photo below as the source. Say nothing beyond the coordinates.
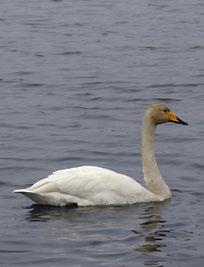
(75, 80)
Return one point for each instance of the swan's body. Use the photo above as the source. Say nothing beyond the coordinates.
(88, 185)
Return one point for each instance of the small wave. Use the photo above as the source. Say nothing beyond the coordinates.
(166, 85)
(197, 47)
(197, 165)
(152, 48)
(23, 72)
(15, 251)
(2, 183)
(70, 53)
(9, 126)
(16, 169)
(166, 99)
(32, 85)
(39, 55)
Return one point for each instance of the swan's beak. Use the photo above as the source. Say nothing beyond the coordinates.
(173, 118)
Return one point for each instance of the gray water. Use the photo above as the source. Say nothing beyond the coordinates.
(75, 80)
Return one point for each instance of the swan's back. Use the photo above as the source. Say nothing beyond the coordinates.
(86, 186)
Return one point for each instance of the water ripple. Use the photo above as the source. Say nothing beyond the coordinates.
(75, 81)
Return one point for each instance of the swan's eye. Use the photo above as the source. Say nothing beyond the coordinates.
(165, 110)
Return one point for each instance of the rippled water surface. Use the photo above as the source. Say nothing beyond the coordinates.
(75, 80)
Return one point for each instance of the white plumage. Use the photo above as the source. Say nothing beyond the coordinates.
(87, 186)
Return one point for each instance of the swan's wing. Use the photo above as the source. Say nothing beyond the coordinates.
(86, 186)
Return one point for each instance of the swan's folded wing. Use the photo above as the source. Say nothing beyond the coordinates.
(86, 186)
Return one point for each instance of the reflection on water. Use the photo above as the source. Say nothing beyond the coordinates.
(148, 238)
(155, 233)
(44, 213)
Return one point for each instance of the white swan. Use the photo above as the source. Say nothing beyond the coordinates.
(87, 186)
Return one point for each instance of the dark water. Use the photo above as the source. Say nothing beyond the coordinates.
(75, 79)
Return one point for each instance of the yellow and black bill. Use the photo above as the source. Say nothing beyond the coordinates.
(173, 118)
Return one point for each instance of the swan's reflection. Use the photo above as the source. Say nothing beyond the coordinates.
(154, 231)
(44, 212)
(150, 227)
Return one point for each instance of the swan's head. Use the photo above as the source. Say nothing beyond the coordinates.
(160, 113)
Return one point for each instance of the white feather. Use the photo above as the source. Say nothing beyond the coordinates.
(87, 186)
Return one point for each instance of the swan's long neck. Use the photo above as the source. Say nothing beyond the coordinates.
(153, 179)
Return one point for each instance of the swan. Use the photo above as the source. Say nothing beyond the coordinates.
(89, 185)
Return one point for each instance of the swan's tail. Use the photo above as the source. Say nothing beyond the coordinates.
(53, 198)
(36, 197)
(22, 191)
